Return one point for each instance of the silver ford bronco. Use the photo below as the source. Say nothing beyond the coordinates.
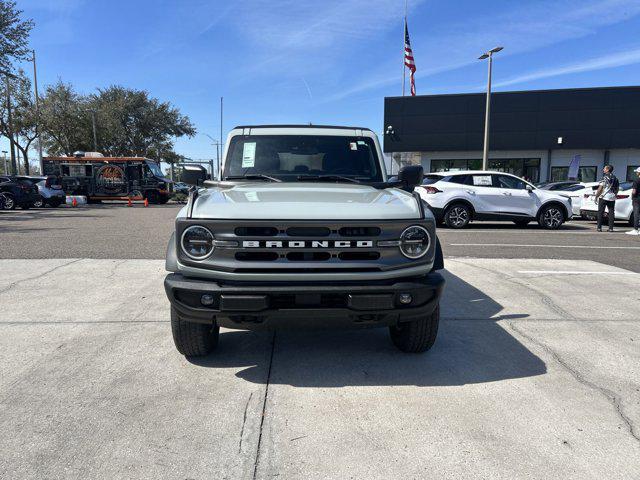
(303, 229)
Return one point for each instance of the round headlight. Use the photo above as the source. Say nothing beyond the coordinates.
(197, 242)
(414, 242)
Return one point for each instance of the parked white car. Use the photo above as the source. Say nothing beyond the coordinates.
(624, 206)
(456, 198)
(576, 193)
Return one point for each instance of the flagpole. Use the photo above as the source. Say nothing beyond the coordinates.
(404, 35)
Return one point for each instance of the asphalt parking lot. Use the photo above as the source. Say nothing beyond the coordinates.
(117, 231)
(534, 373)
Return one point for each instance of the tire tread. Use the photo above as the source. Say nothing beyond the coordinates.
(417, 336)
(193, 339)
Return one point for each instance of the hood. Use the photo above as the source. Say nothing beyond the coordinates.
(305, 201)
(546, 195)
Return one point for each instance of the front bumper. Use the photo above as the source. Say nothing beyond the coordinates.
(256, 306)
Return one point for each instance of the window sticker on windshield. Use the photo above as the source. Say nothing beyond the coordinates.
(249, 155)
(482, 180)
(361, 142)
(353, 146)
(252, 196)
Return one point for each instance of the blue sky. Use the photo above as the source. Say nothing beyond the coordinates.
(329, 61)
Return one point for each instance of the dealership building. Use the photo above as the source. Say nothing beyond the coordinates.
(533, 134)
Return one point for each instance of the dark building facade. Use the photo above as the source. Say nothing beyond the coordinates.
(534, 134)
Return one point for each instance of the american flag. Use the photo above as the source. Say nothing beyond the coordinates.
(408, 58)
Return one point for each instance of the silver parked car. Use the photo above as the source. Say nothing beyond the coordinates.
(49, 190)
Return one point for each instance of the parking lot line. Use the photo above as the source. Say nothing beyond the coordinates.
(533, 245)
(553, 272)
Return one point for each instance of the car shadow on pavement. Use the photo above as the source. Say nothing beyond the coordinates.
(471, 348)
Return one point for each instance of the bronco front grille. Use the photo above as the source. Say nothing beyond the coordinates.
(303, 247)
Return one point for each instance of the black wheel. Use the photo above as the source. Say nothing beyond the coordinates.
(551, 217)
(457, 216)
(153, 197)
(38, 203)
(9, 202)
(55, 202)
(521, 223)
(193, 339)
(417, 336)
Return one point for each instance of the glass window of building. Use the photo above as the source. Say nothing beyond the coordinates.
(528, 168)
(585, 174)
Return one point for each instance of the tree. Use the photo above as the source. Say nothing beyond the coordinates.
(128, 122)
(14, 34)
(65, 120)
(133, 123)
(23, 115)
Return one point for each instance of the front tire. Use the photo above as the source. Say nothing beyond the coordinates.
(457, 216)
(551, 217)
(39, 202)
(9, 202)
(193, 339)
(153, 197)
(417, 336)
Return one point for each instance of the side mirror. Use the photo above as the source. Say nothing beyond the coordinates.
(528, 187)
(410, 177)
(193, 174)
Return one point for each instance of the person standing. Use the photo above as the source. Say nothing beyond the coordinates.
(606, 196)
(635, 199)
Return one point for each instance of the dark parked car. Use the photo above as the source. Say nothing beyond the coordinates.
(557, 185)
(49, 188)
(17, 192)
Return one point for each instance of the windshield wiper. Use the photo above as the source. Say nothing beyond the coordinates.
(253, 176)
(328, 178)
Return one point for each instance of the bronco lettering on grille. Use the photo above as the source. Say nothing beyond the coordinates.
(307, 244)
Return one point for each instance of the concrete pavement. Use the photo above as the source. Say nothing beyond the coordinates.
(531, 377)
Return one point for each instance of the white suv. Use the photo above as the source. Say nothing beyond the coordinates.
(456, 198)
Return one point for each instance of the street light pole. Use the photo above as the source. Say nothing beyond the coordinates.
(487, 112)
(35, 85)
(221, 143)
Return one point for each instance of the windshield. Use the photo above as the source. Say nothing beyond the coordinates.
(290, 157)
(155, 169)
(429, 179)
(572, 188)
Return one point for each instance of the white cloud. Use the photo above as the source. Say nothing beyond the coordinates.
(613, 60)
(307, 35)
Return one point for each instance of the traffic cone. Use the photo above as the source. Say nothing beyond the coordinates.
(129, 204)
(74, 202)
(146, 202)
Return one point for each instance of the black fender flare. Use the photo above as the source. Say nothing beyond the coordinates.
(438, 261)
